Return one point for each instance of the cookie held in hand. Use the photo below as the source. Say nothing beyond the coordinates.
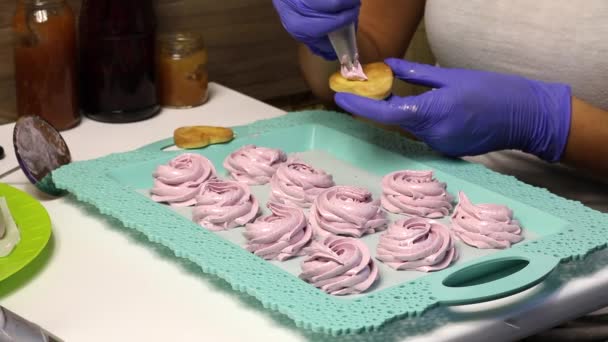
(201, 136)
(378, 85)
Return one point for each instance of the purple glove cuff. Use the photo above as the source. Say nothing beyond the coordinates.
(548, 141)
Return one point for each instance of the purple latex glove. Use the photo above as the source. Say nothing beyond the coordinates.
(309, 21)
(474, 112)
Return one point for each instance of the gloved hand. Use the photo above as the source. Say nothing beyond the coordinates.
(473, 112)
(309, 21)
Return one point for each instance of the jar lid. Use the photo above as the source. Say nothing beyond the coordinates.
(181, 43)
(44, 4)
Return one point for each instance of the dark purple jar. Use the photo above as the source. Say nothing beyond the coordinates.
(117, 60)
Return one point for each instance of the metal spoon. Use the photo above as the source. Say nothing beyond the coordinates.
(16, 328)
(40, 150)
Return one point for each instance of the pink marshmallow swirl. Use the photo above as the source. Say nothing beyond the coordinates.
(298, 183)
(485, 226)
(347, 211)
(353, 74)
(417, 244)
(415, 193)
(180, 181)
(254, 165)
(223, 205)
(281, 235)
(339, 266)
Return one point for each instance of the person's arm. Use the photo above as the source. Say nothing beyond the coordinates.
(385, 30)
(587, 147)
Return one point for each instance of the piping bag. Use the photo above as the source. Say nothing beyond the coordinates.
(344, 42)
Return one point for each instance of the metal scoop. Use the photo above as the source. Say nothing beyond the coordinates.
(40, 150)
(16, 328)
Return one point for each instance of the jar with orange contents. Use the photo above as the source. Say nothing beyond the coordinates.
(45, 61)
(182, 70)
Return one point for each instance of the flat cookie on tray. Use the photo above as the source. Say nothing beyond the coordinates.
(191, 137)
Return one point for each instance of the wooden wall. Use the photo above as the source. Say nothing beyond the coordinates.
(248, 48)
(7, 91)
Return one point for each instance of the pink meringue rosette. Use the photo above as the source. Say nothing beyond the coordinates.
(347, 211)
(281, 235)
(417, 244)
(298, 183)
(254, 165)
(339, 266)
(180, 181)
(485, 226)
(415, 193)
(223, 205)
(353, 74)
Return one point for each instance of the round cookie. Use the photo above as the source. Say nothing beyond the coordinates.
(191, 137)
(378, 86)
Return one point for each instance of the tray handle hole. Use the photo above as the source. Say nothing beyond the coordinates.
(485, 272)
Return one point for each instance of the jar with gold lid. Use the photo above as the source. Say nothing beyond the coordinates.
(182, 70)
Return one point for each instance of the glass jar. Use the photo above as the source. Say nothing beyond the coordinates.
(182, 70)
(45, 61)
(117, 51)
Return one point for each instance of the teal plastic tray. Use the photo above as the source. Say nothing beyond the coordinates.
(556, 229)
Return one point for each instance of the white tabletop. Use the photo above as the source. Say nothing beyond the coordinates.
(97, 281)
